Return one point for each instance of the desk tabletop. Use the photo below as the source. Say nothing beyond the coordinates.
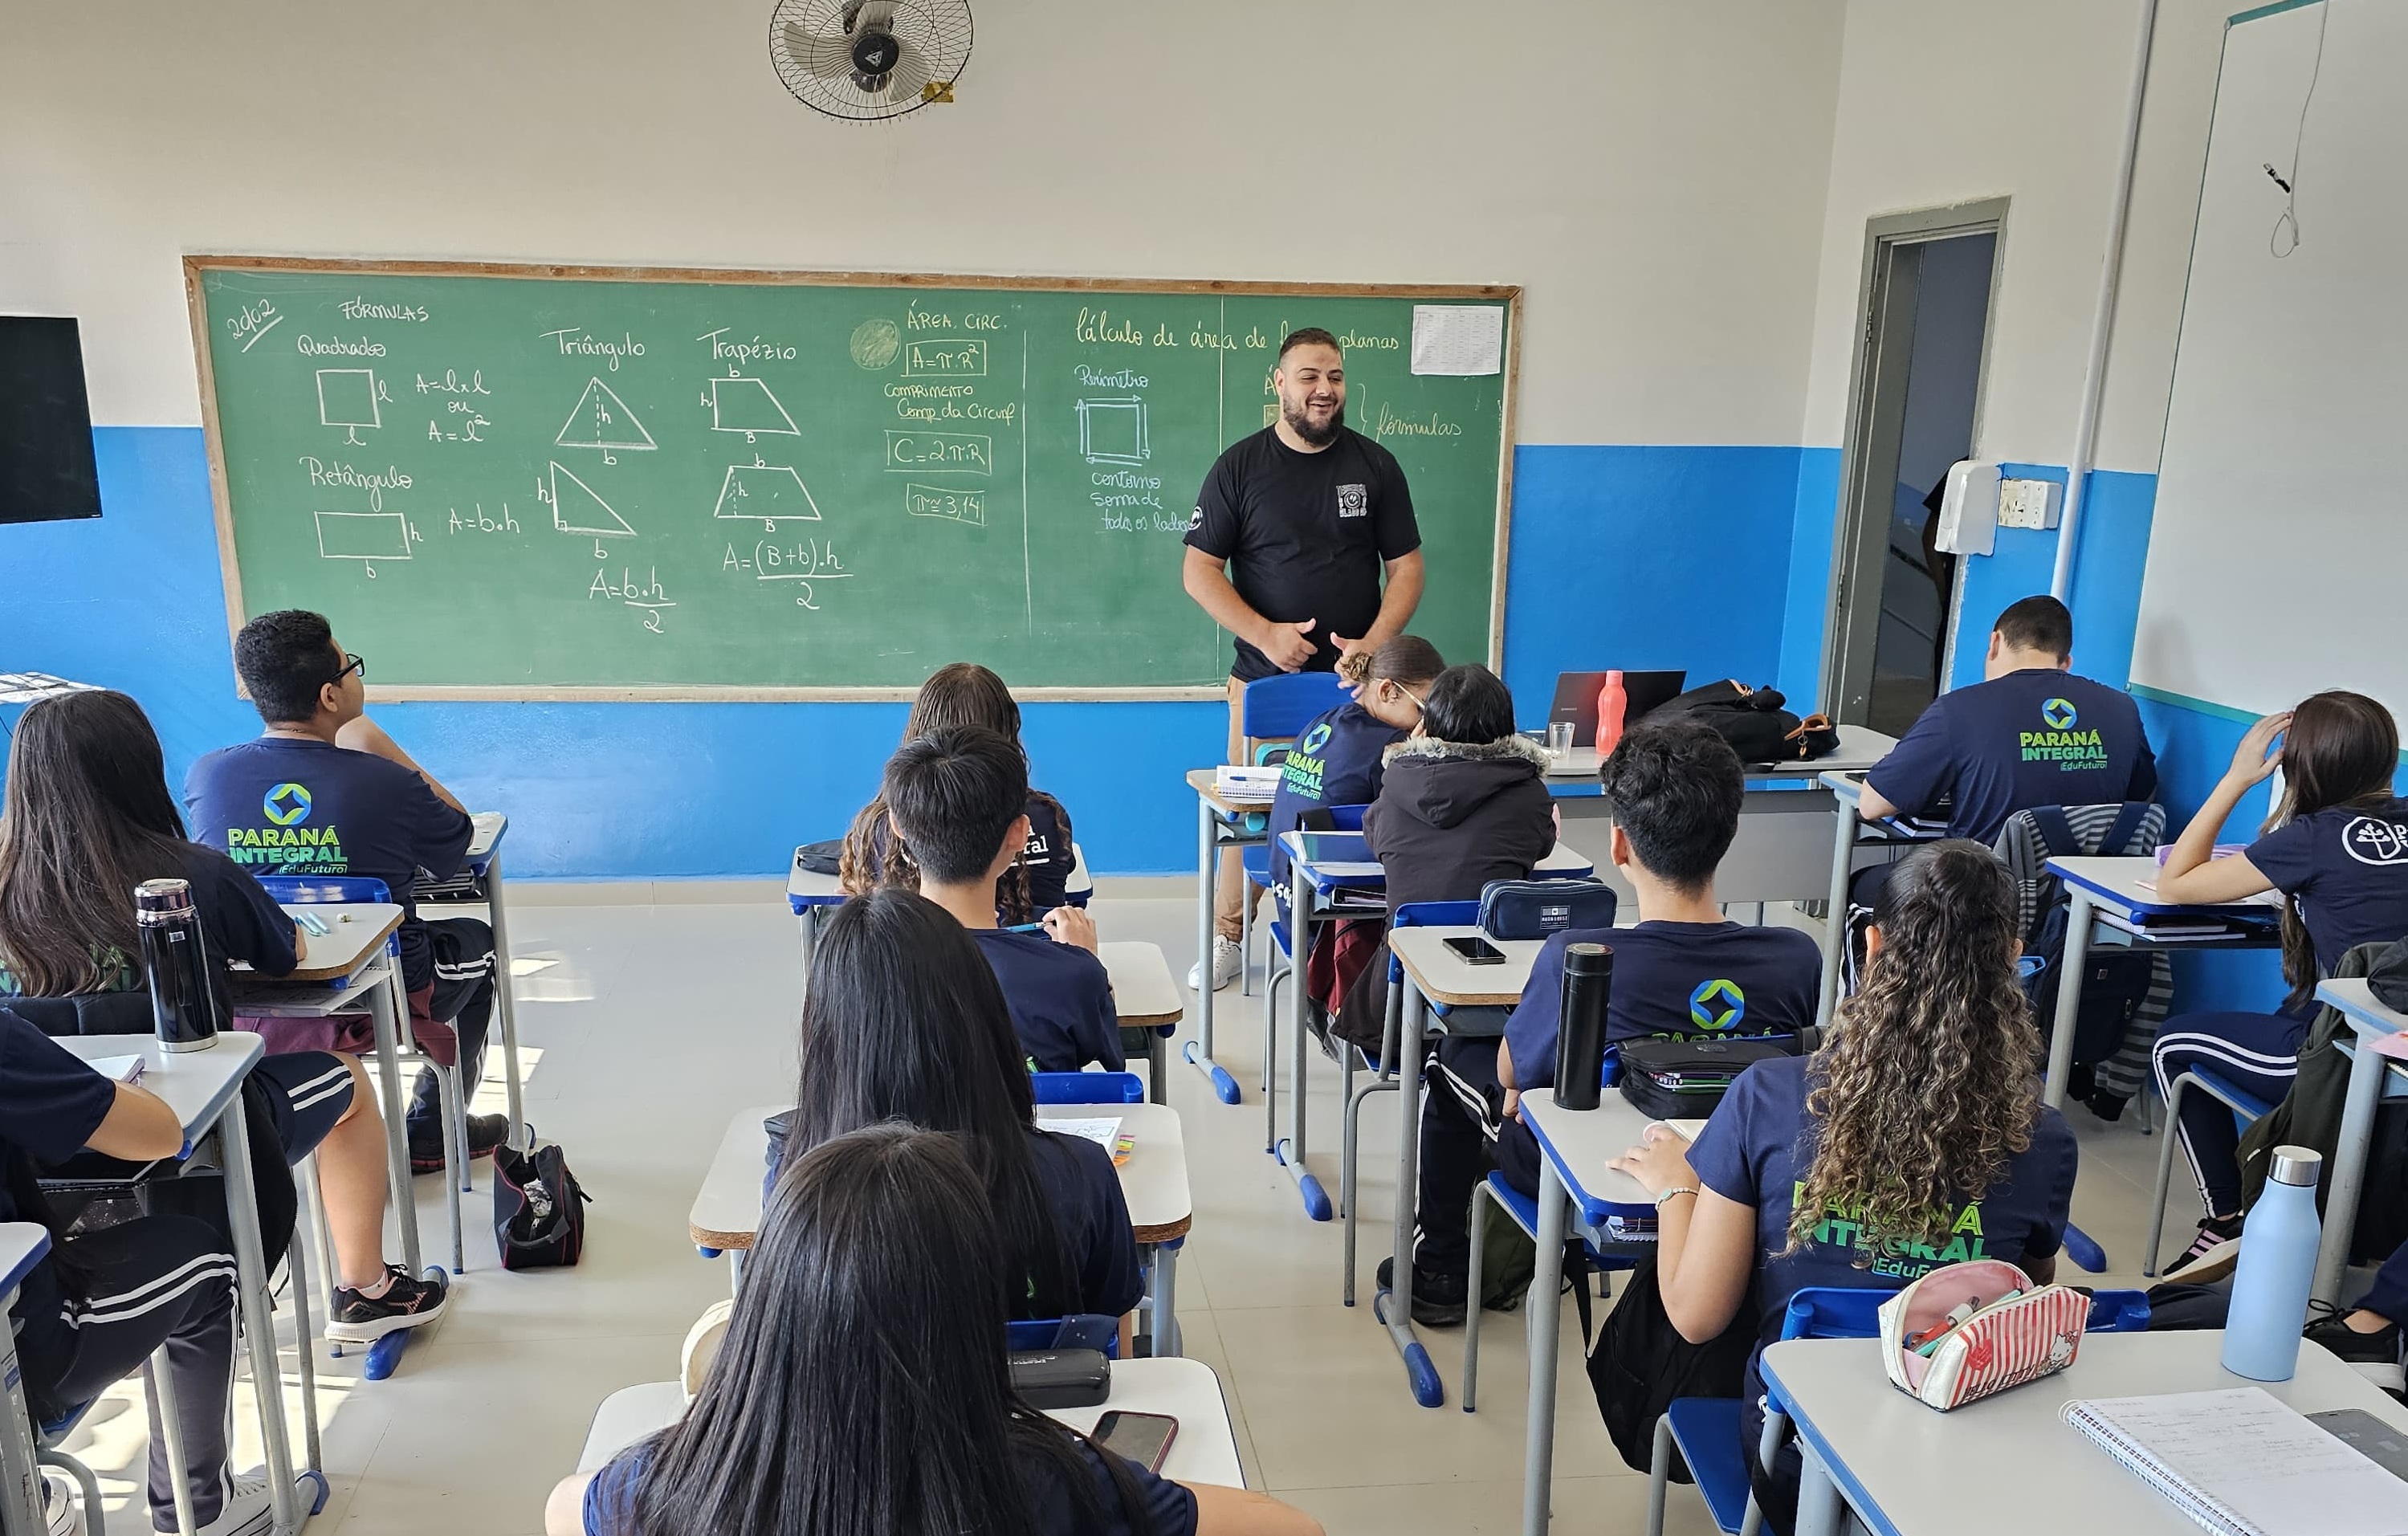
(805, 889)
(196, 1085)
(1904, 1467)
(361, 929)
(1207, 788)
(1580, 1142)
(1334, 859)
(2357, 1003)
(1860, 747)
(1143, 994)
(2128, 884)
(488, 828)
(727, 1210)
(22, 1243)
(1445, 977)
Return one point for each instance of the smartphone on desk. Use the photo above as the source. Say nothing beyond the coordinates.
(1143, 1438)
(1472, 950)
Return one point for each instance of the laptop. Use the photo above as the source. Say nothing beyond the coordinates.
(1576, 700)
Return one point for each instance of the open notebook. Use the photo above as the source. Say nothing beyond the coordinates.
(2243, 1463)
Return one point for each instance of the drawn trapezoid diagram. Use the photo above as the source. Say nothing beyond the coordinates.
(602, 420)
(746, 405)
(1113, 431)
(575, 507)
(765, 491)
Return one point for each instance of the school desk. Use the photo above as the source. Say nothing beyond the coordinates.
(1147, 1001)
(1851, 835)
(1204, 1451)
(1219, 824)
(480, 882)
(726, 1216)
(2371, 1022)
(23, 1245)
(811, 897)
(2009, 1464)
(1324, 868)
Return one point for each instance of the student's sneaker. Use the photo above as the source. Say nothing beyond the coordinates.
(59, 1510)
(408, 1303)
(1227, 959)
(2374, 1355)
(1439, 1300)
(244, 1510)
(2212, 1255)
(485, 1133)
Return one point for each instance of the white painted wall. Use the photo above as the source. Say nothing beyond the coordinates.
(1653, 174)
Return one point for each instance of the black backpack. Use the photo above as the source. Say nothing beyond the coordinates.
(1754, 721)
(1641, 1363)
(538, 1209)
(2115, 979)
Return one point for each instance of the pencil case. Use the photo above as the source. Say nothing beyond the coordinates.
(1967, 1330)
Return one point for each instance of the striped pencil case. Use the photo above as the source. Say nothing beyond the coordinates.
(1967, 1330)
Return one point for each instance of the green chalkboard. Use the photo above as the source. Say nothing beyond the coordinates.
(546, 481)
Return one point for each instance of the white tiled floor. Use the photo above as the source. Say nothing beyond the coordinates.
(656, 1023)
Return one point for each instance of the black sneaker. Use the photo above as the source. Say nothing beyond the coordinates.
(1439, 1300)
(485, 1133)
(2332, 1331)
(2212, 1255)
(2107, 1106)
(407, 1303)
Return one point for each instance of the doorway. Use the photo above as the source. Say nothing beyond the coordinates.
(1913, 409)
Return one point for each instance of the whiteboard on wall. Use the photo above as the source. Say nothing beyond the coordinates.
(2278, 555)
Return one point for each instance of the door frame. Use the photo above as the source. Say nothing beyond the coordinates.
(1877, 372)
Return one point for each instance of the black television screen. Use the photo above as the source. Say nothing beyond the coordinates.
(46, 463)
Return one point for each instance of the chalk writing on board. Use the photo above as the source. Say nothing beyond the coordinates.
(462, 423)
(1386, 423)
(365, 537)
(376, 482)
(451, 383)
(950, 358)
(812, 559)
(477, 519)
(254, 320)
(765, 491)
(745, 350)
(575, 341)
(955, 504)
(646, 595)
(875, 342)
(1113, 431)
(738, 404)
(350, 398)
(576, 508)
(602, 420)
(940, 453)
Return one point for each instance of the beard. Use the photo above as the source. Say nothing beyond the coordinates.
(1301, 424)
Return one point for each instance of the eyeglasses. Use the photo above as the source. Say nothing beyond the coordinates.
(352, 663)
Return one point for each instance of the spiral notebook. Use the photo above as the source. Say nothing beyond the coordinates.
(2243, 1463)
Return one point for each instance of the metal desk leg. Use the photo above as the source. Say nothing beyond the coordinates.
(1199, 1053)
(258, 1320)
(1396, 1307)
(20, 1480)
(1165, 1306)
(1835, 919)
(497, 918)
(1546, 1318)
(1382, 1081)
(389, 1012)
(809, 923)
(1292, 1148)
(1820, 1511)
(2365, 1072)
(2078, 919)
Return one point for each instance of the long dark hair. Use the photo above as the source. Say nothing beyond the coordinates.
(87, 818)
(905, 1021)
(861, 1389)
(959, 693)
(2341, 749)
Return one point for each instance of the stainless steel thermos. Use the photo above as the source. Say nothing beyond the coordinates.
(184, 1004)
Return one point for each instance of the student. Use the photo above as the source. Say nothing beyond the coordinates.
(2337, 848)
(1464, 801)
(326, 792)
(967, 694)
(862, 1386)
(2028, 734)
(956, 798)
(1340, 757)
(1684, 970)
(1914, 1139)
(89, 818)
(904, 1021)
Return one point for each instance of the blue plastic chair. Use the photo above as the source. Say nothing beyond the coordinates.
(2246, 1107)
(1080, 1330)
(1271, 712)
(1256, 860)
(1087, 1087)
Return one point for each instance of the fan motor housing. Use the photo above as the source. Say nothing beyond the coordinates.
(875, 54)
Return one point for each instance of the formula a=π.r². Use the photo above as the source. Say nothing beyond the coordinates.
(738, 404)
(576, 508)
(603, 420)
(766, 491)
(365, 537)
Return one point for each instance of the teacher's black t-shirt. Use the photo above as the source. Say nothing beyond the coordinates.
(1305, 535)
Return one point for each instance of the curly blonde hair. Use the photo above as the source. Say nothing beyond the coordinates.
(1925, 1091)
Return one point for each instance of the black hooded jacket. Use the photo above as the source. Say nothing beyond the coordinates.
(1454, 815)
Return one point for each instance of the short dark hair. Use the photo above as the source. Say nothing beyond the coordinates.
(1675, 786)
(283, 658)
(1467, 704)
(954, 793)
(2037, 624)
(1310, 335)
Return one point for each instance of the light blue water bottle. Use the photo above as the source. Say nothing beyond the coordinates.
(2278, 1263)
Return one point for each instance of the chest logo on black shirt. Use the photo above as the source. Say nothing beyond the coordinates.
(1717, 1005)
(2073, 750)
(2370, 840)
(1354, 501)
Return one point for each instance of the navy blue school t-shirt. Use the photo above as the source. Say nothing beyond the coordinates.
(1756, 1149)
(2348, 867)
(291, 806)
(2036, 737)
(1672, 979)
(1048, 856)
(1170, 1509)
(239, 921)
(1336, 760)
(51, 1104)
(1085, 1191)
(1061, 1000)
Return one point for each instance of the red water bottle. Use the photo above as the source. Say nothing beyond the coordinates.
(1610, 702)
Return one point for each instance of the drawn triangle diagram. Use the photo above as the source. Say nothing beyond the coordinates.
(602, 420)
(765, 491)
(574, 508)
(746, 405)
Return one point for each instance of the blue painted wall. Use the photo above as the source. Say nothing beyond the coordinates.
(1814, 518)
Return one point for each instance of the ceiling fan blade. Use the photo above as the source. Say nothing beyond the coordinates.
(910, 73)
(823, 57)
(873, 16)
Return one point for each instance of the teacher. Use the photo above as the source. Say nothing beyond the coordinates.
(1292, 531)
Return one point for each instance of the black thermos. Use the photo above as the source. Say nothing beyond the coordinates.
(1580, 1044)
(183, 1005)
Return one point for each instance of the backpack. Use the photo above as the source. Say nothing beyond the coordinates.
(1641, 1363)
(2116, 981)
(539, 1208)
(1753, 721)
(1533, 909)
(821, 858)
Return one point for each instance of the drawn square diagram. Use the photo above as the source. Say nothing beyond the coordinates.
(348, 397)
(363, 536)
(746, 405)
(766, 491)
(1113, 431)
(953, 503)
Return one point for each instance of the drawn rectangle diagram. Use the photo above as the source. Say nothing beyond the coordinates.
(1113, 431)
(938, 453)
(348, 397)
(363, 536)
(945, 358)
(957, 504)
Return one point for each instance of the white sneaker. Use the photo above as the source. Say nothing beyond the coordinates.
(1227, 959)
(246, 1510)
(58, 1506)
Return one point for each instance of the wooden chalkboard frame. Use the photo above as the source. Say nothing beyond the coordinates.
(1509, 295)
